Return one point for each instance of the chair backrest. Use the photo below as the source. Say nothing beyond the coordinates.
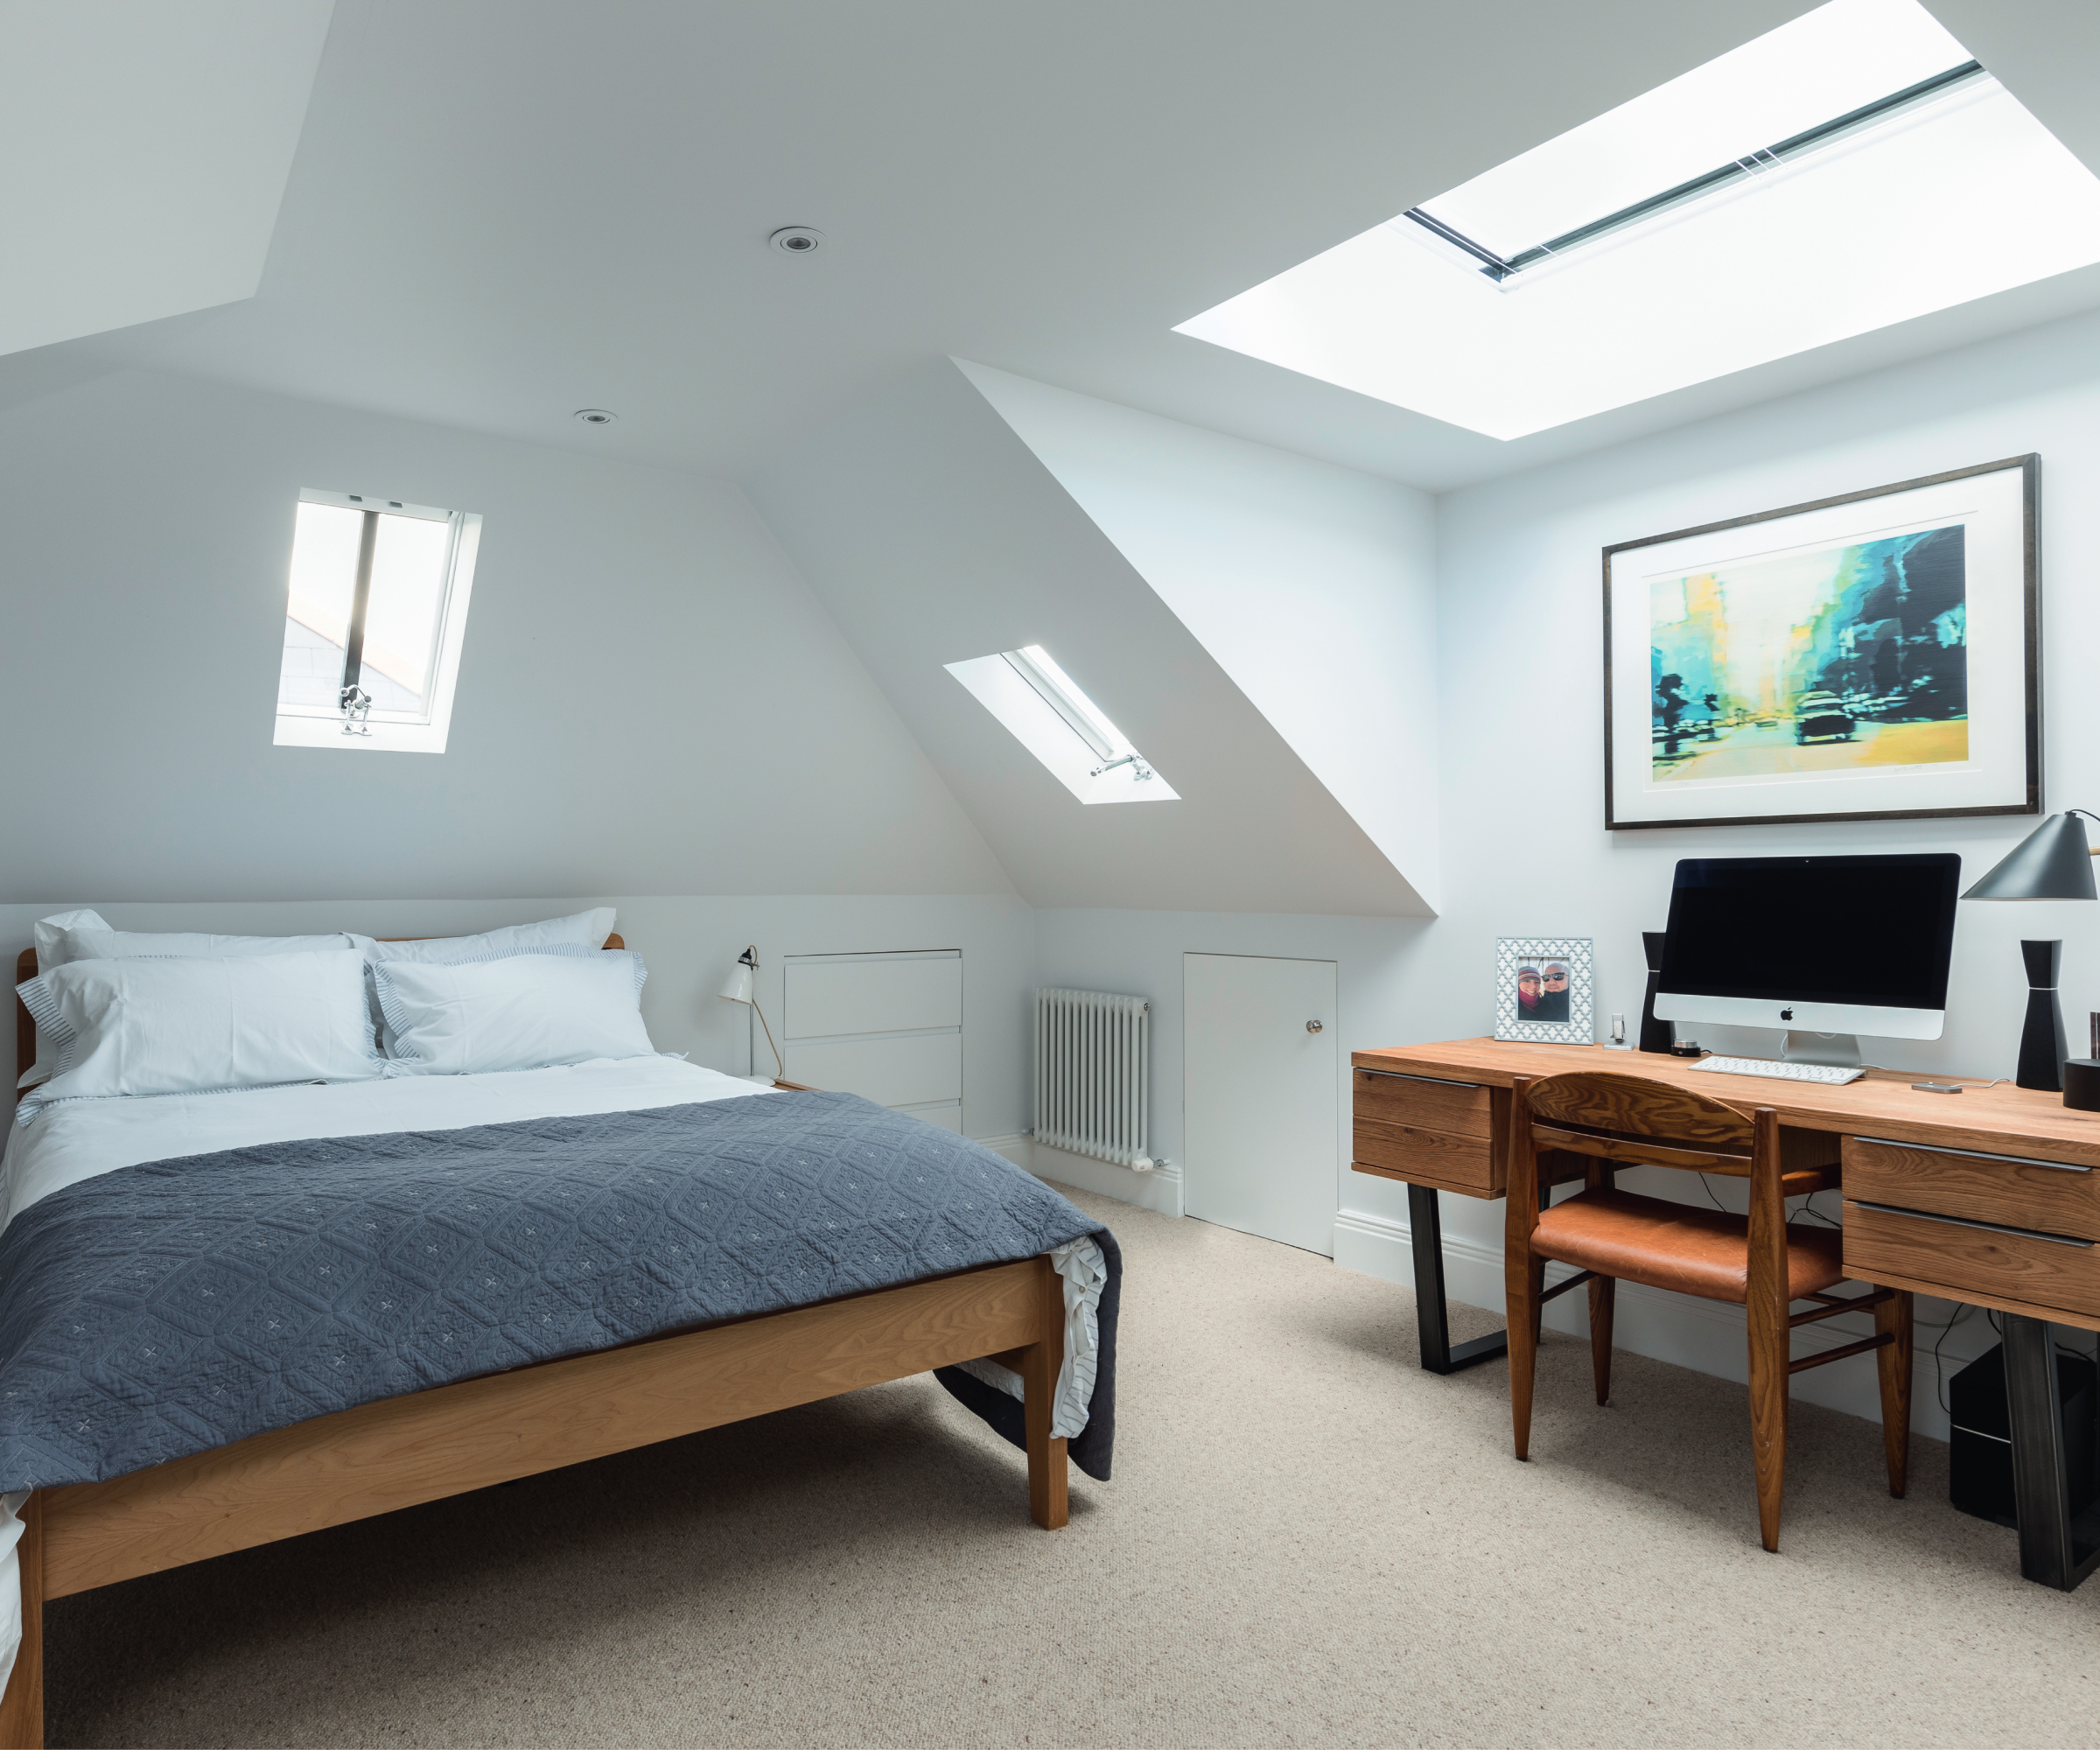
(1612, 1115)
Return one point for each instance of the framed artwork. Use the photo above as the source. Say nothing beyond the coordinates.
(1545, 989)
(1869, 657)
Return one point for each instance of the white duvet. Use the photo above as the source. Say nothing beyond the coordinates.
(64, 1144)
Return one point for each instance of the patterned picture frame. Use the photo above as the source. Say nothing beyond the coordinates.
(1546, 989)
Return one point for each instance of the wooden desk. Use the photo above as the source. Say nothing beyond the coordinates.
(1988, 1196)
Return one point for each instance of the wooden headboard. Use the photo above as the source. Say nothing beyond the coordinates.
(25, 1028)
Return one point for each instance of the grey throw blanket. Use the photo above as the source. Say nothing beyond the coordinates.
(163, 1309)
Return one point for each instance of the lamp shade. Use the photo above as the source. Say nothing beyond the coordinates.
(2054, 862)
(736, 987)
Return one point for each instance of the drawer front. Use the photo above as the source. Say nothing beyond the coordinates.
(1452, 1107)
(2014, 1193)
(2033, 1271)
(1427, 1157)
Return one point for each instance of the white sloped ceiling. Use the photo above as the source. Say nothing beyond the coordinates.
(144, 146)
(933, 534)
(1314, 586)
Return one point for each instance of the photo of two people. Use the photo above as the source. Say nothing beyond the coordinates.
(1542, 992)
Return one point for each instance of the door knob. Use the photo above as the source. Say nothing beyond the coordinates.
(1313, 1027)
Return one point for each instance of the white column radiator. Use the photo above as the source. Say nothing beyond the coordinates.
(1093, 1074)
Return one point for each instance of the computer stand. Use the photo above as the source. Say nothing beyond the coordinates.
(1432, 1312)
(1840, 1051)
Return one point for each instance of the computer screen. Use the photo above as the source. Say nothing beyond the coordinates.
(1870, 933)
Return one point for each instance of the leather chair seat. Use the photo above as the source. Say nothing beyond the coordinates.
(1673, 1245)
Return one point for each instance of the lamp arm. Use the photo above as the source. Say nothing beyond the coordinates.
(779, 1066)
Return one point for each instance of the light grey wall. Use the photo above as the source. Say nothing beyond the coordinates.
(650, 699)
(688, 945)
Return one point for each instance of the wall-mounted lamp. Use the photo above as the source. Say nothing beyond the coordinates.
(2054, 862)
(737, 988)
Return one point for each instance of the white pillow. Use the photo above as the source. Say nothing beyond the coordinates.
(522, 1011)
(585, 929)
(82, 935)
(48, 937)
(180, 1027)
(104, 943)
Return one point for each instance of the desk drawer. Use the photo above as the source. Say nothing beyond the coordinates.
(2031, 1271)
(1466, 1163)
(1980, 1187)
(1456, 1108)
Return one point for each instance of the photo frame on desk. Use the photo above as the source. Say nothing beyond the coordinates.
(1546, 989)
(1871, 657)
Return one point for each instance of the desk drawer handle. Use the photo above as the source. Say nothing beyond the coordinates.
(1976, 1154)
(1987, 1227)
(1433, 1080)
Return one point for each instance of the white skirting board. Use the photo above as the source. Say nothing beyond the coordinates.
(1704, 1334)
(1159, 1189)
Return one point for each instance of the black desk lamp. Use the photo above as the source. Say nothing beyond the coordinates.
(2054, 862)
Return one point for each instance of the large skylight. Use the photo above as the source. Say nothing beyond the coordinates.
(1046, 712)
(1693, 232)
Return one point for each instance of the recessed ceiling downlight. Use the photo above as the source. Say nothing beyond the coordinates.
(797, 240)
(595, 416)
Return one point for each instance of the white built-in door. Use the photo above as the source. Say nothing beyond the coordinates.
(1260, 1096)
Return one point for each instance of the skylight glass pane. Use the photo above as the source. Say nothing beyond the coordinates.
(406, 610)
(1043, 708)
(324, 581)
(1823, 65)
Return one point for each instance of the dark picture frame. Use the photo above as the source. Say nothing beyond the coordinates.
(1872, 711)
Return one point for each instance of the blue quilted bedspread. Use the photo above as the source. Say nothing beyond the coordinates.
(163, 1309)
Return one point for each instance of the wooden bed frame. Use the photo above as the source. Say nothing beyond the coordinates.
(402, 1451)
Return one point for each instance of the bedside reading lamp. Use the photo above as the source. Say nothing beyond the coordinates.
(737, 988)
(2054, 862)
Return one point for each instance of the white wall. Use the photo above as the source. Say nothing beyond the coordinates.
(650, 700)
(1526, 853)
(1263, 555)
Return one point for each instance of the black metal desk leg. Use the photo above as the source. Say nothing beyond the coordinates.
(2041, 1490)
(1425, 1227)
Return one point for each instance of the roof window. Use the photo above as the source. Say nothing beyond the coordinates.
(1047, 713)
(373, 629)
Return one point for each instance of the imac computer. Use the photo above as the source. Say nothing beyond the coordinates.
(1825, 948)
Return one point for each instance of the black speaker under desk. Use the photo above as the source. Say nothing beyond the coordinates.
(1980, 1441)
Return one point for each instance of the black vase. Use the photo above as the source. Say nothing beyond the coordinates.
(1656, 1036)
(2042, 1046)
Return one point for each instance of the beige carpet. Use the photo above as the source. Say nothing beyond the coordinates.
(1308, 1541)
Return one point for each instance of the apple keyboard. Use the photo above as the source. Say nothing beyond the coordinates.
(1830, 1074)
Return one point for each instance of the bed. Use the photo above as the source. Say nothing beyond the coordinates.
(995, 1330)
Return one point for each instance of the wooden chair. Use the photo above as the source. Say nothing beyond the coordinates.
(1756, 1261)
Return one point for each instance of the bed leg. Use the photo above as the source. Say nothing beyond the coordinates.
(1040, 1363)
(22, 1707)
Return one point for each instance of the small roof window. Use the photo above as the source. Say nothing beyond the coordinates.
(375, 623)
(1049, 715)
